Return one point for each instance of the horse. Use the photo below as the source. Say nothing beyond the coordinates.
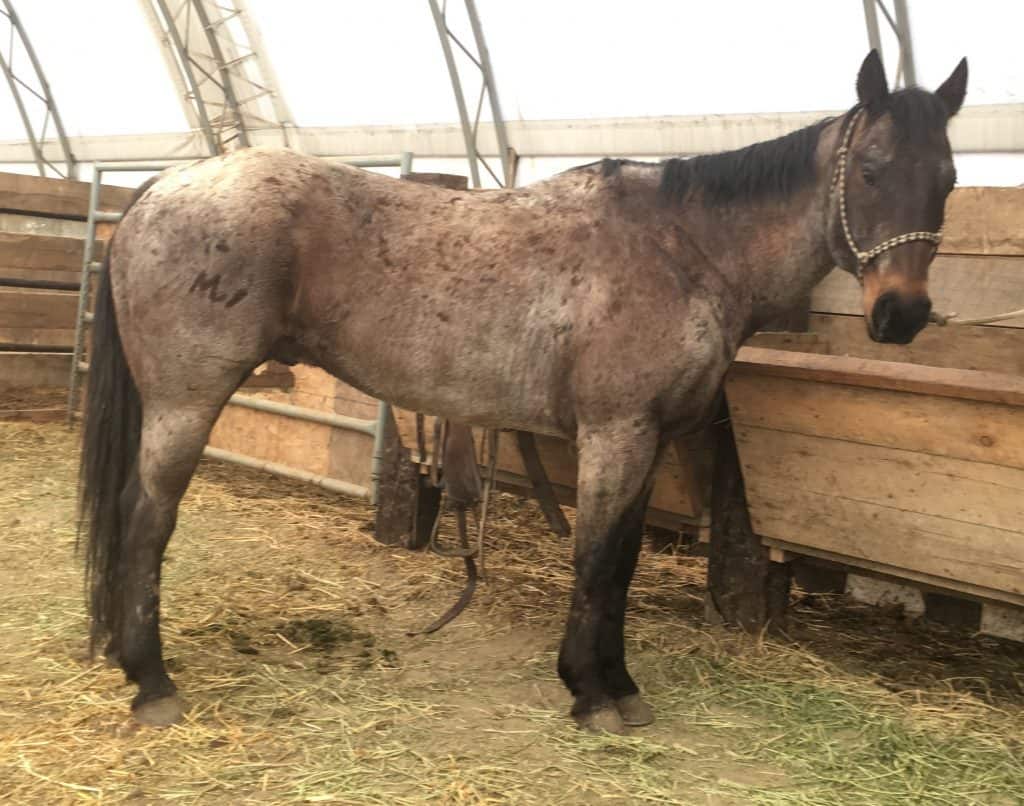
(603, 305)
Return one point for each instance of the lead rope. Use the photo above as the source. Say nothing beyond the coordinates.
(491, 440)
(464, 551)
(951, 319)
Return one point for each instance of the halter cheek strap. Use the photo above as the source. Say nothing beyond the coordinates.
(839, 186)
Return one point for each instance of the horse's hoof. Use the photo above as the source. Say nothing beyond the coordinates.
(634, 711)
(603, 720)
(159, 713)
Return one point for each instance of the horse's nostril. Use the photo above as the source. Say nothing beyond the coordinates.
(919, 308)
(898, 319)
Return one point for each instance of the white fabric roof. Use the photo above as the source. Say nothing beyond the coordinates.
(361, 62)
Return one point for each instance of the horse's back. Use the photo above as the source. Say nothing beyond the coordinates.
(483, 307)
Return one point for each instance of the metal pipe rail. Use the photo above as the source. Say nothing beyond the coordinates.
(302, 413)
(156, 165)
(371, 428)
(334, 485)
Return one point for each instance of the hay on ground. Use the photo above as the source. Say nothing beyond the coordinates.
(285, 629)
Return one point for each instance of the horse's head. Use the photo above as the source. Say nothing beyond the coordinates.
(894, 170)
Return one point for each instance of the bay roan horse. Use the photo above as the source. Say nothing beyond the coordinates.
(603, 305)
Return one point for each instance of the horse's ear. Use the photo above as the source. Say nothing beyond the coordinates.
(872, 88)
(954, 88)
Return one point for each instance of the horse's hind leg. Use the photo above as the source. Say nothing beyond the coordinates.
(173, 438)
(615, 466)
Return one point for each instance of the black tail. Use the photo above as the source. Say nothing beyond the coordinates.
(110, 447)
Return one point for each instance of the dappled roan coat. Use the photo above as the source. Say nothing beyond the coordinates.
(603, 305)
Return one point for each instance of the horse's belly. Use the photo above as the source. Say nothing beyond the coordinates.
(480, 382)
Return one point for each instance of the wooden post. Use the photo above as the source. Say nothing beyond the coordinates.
(745, 589)
(407, 504)
(450, 181)
(542, 489)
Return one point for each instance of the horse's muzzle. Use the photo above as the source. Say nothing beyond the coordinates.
(896, 319)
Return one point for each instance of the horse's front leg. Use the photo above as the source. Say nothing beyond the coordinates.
(611, 642)
(615, 466)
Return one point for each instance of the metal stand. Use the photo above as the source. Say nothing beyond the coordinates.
(21, 82)
(481, 61)
(214, 52)
(899, 23)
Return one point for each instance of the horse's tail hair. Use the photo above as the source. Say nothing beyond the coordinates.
(110, 448)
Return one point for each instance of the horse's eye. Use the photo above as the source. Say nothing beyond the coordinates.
(869, 175)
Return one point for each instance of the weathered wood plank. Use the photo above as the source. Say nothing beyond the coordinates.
(941, 547)
(61, 198)
(984, 221)
(955, 489)
(405, 502)
(941, 426)
(883, 571)
(745, 589)
(798, 342)
(40, 252)
(834, 369)
(51, 337)
(987, 349)
(28, 370)
(971, 286)
(23, 309)
(59, 276)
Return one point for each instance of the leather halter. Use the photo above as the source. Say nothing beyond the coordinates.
(839, 186)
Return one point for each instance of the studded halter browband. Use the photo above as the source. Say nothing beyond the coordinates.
(839, 185)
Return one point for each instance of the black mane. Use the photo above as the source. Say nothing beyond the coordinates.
(773, 168)
(777, 168)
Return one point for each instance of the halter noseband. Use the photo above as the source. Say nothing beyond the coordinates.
(839, 186)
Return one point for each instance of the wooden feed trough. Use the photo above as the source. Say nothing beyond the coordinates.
(906, 461)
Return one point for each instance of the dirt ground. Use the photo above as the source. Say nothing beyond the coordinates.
(285, 629)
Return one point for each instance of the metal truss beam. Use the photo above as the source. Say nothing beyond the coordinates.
(480, 59)
(898, 20)
(993, 128)
(32, 96)
(215, 54)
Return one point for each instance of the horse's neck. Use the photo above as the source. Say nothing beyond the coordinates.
(784, 254)
(769, 254)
